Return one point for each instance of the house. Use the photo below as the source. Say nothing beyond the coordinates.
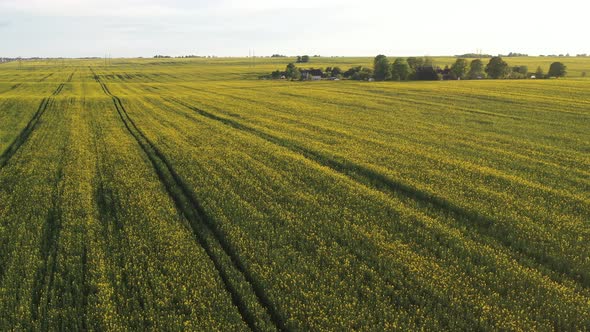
(312, 74)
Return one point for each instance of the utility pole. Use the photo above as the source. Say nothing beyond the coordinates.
(251, 58)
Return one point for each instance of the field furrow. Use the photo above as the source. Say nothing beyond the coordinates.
(166, 126)
(428, 200)
(254, 306)
(502, 230)
(24, 134)
(188, 194)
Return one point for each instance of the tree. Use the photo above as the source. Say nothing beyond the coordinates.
(359, 73)
(276, 75)
(557, 69)
(539, 73)
(418, 64)
(364, 74)
(351, 71)
(400, 70)
(476, 70)
(521, 69)
(497, 68)
(336, 71)
(292, 72)
(414, 63)
(519, 72)
(302, 59)
(381, 68)
(426, 73)
(459, 68)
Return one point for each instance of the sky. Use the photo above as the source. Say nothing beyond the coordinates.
(133, 28)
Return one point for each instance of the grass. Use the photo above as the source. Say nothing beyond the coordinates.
(187, 194)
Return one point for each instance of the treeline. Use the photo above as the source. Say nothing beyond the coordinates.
(567, 55)
(302, 58)
(479, 55)
(415, 68)
(514, 54)
(421, 69)
(294, 73)
(24, 59)
(474, 55)
(190, 56)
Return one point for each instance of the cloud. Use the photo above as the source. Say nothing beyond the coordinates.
(231, 27)
(170, 8)
(103, 8)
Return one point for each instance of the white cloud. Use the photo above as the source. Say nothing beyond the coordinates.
(77, 8)
(151, 8)
(350, 27)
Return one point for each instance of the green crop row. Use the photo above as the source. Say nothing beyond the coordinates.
(236, 156)
(167, 194)
(90, 239)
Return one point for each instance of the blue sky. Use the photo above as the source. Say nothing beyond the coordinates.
(126, 28)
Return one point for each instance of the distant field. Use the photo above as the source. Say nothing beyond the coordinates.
(186, 194)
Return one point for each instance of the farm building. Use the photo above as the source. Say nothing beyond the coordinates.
(312, 74)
